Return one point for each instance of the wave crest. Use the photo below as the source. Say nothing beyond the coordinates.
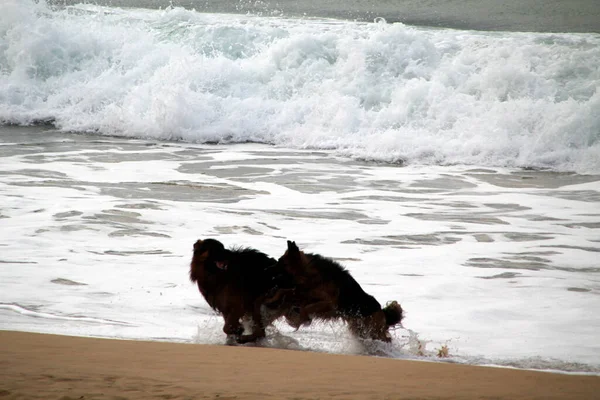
(385, 92)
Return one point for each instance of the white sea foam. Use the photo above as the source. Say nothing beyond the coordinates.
(499, 266)
(385, 92)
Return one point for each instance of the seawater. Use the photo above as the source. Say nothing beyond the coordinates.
(470, 215)
(500, 266)
(375, 91)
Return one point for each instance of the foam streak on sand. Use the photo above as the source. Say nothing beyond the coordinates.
(30, 313)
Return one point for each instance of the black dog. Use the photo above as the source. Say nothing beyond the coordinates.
(326, 290)
(237, 282)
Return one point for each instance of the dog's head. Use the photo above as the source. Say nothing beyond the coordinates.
(293, 260)
(377, 325)
(373, 322)
(373, 326)
(393, 313)
(210, 254)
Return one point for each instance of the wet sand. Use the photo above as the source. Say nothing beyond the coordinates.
(40, 366)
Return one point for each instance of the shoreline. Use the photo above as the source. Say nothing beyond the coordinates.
(113, 220)
(50, 366)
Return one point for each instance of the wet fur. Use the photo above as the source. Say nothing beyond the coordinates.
(238, 291)
(326, 290)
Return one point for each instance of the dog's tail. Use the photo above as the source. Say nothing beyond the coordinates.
(393, 313)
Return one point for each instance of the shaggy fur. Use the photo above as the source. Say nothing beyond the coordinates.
(325, 290)
(235, 282)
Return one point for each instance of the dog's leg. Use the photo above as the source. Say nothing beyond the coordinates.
(260, 320)
(320, 309)
(258, 329)
(232, 324)
(294, 319)
(278, 296)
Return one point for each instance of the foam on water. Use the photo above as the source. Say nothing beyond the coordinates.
(377, 91)
(500, 266)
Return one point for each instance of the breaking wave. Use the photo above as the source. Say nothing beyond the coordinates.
(378, 91)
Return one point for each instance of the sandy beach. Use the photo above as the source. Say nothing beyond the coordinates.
(40, 366)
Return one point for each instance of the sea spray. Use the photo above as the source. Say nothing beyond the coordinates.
(384, 92)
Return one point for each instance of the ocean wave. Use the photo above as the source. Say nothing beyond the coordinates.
(377, 91)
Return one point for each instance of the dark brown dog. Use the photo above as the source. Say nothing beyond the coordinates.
(325, 290)
(236, 282)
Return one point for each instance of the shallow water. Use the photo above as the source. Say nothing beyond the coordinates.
(500, 265)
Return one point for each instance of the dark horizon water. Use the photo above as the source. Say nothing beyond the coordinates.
(528, 15)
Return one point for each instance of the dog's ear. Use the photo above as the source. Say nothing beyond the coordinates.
(197, 244)
(292, 248)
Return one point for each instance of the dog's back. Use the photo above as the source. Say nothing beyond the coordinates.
(343, 289)
(255, 274)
